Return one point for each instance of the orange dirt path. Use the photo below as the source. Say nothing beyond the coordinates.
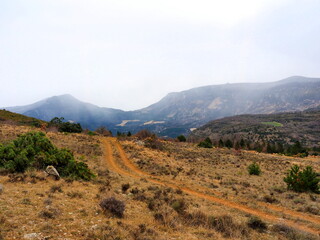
(291, 213)
(138, 174)
(133, 168)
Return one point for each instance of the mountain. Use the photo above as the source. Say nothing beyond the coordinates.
(200, 105)
(285, 128)
(179, 112)
(89, 115)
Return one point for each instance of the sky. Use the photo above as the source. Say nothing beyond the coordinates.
(129, 54)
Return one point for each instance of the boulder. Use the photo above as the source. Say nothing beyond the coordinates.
(52, 171)
(1, 188)
(31, 236)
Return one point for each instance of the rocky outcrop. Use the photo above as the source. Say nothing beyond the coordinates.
(52, 171)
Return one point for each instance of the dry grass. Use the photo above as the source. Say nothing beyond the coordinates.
(225, 171)
(67, 209)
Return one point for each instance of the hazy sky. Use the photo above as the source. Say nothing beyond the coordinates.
(129, 54)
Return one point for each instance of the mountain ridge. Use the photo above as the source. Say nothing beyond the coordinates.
(177, 112)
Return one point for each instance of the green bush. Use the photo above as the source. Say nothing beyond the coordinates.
(34, 150)
(254, 169)
(181, 138)
(206, 143)
(65, 126)
(302, 180)
(70, 127)
(90, 133)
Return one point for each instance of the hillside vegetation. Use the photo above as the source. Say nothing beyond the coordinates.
(19, 119)
(35, 150)
(149, 189)
(274, 129)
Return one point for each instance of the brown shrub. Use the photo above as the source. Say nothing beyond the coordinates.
(313, 209)
(75, 194)
(125, 187)
(56, 188)
(291, 233)
(179, 206)
(103, 131)
(257, 224)
(226, 225)
(17, 177)
(196, 218)
(270, 199)
(166, 217)
(49, 213)
(153, 143)
(114, 206)
(143, 134)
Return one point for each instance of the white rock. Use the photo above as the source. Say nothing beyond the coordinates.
(50, 170)
(31, 236)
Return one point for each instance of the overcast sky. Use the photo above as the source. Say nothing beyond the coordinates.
(129, 54)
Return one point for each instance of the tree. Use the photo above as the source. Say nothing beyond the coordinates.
(70, 127)
(221, 143)
(257, 147)
(181, 138)
(237, 145)
(65, 126)
(302, 181)
(280, 148)
(207, 143)
(242, 143)
(229, 144)
(254, 169)
(297, 149)
(56, 121)
(271, 148)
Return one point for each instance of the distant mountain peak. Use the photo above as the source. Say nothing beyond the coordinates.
(299, 79)
(64, 97)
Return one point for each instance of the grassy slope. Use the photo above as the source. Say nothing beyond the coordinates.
(38, 206)
(283, 127)
(10, 117)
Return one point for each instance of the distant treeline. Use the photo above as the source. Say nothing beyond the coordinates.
(296, 149)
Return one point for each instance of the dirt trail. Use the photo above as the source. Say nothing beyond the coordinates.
(133, 168)
(291, 213)
(138, 174)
